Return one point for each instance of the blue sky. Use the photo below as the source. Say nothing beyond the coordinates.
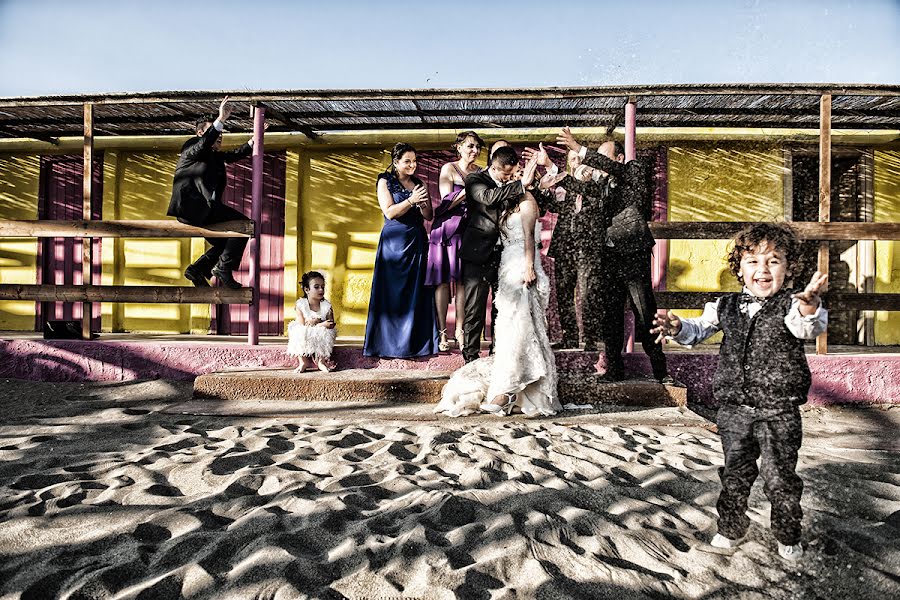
(83, 46)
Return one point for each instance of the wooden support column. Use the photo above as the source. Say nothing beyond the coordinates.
(87, 308)
(824, 194)
(630, 154)
(259, 120)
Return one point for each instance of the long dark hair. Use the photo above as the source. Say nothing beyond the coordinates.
(400, 148)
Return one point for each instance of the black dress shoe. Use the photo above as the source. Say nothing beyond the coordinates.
(612, 376)
(226, 278)
(668, 380)
(564, 345)
(193, 275)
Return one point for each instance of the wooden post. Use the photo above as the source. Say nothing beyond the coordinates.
(259, 119)
(630, 128)
(87, 308)
(824, 193)
(630, 153)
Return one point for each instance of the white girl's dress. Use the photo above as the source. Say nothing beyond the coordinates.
(305, 340)
(523, 361)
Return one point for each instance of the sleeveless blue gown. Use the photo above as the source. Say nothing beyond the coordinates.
(401, 321)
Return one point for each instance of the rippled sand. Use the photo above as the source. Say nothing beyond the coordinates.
(102, 495)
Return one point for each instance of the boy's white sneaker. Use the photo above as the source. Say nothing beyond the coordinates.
(722, 542)
(790, 552)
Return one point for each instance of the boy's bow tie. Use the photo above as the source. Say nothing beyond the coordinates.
(750, 299)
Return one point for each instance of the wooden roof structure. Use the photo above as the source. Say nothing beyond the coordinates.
(854, 106)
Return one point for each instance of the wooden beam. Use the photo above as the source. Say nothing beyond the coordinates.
(834, 300)
(824, 194)
(125, 293)
(280, 116)
(123, 229)
(87, 308)
(807, 230)
(465, 93)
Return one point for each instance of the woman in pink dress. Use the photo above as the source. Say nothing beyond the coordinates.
(446, 233)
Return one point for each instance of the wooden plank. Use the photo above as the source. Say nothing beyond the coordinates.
(721, 230)
(123, 229)
(824, 194)
(87, 262)
(125, 293)
(833, 300)
(685, 230)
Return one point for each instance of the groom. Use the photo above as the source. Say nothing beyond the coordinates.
(488, 193)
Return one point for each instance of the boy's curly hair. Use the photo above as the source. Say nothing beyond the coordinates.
(780, 235)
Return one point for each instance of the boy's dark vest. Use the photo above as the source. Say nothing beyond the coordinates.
(761, 363)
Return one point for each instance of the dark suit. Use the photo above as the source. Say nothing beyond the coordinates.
(625, 274)
(479, 250)
(197, 191)
(576, 257)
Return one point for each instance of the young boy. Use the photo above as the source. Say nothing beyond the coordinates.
(761, 379)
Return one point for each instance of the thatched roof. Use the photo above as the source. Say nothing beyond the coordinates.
(312, 111)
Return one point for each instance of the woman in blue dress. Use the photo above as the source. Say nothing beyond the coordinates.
(401, 322)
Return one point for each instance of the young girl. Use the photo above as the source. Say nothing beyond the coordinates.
(761, 379)
(311, 335)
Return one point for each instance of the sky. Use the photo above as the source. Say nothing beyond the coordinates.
(99, 46)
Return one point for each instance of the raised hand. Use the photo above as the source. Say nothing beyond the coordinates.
(224, 110)
(809, 297)
(540, 155)
(566, 138)
(528, 172)
(664, 326)
(582, 173)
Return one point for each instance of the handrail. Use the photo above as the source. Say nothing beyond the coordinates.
(125, 293)
(123, 229)
(807, 230)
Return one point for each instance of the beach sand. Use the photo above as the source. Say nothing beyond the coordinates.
(105, 495)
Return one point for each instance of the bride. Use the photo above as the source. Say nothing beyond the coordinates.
(522, 371)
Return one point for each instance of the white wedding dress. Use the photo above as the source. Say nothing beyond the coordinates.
(522, 362)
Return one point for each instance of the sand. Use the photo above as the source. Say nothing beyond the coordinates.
(105, 495)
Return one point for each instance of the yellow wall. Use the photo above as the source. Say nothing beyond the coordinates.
(887, 254)
(341, 223)
(138, 185)
(19, 179)
(717, 183)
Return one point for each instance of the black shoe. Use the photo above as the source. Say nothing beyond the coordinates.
(226, 278)
(564, 345)
(668, 380)
(612, 376)
(193, 275)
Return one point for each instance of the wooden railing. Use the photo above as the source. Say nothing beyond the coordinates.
(124, 293)
(828, 231)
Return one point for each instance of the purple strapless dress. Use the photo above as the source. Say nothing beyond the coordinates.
(446, 235)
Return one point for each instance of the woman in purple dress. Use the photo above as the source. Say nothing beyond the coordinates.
(446, 233)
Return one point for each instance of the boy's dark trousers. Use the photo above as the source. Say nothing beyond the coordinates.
(775, 435)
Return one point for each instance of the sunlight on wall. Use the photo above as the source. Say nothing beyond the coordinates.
(715, 183)
(341, 223)
(19, 180)
(291, 235)
(141, 186)
(887, 253)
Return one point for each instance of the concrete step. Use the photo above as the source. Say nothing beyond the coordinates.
(412, 386)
